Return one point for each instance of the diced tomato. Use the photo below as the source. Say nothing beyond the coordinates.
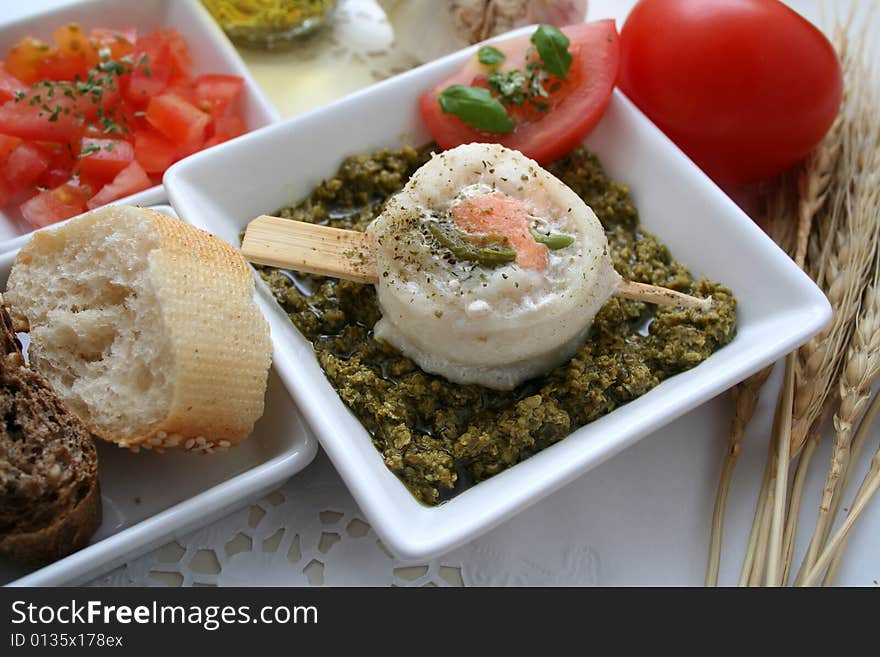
(226, 128)
(73, 58)
(151, 69)
(54, 205)
(72, 42)
(61, 67)
(7, 145)
(130, 180)
(24, 165)
(25, 57)
(6, 192)
(180, 59)
(178, 120)
(70, 125)
(153, 151)
(120, 42)
(186, 91)
(21, 119)
(102, 159)
(9, 84)
(60, 163)
(214, 92)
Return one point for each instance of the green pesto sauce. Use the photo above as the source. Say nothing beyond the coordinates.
(439, 437)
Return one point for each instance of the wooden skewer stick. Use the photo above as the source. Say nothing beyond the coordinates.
(349, 254)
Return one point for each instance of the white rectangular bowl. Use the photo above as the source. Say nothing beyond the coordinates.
(211, 52)
(148, 498)
(780, 307)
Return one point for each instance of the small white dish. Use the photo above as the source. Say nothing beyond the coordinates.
(780, 307)
(149, 498)
(211, 52)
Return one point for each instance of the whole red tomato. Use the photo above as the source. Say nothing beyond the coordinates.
(745, 87)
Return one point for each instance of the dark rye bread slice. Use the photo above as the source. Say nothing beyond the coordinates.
(50, 502)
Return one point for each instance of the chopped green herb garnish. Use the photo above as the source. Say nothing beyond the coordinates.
(511, 86)
(88, 150)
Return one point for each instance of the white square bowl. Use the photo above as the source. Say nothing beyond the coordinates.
(780, 307)
(148, 498)
(211, 52)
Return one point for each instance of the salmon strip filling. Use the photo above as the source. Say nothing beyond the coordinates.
(499, 214)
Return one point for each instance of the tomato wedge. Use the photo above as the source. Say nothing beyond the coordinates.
(574, 108)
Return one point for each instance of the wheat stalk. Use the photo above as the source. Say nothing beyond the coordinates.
(862, 377)
(859, 375)
(745, 397)
(861, 436)
(869, 487)
(750, 571)
(839, 263)
(779, 225)
(858, 200)
(783, 446)
(813, 188)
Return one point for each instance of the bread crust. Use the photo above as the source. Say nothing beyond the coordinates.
(49, 428)
(219, 340)
(223, 352)
(69, 532)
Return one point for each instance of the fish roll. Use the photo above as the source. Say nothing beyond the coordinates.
(490, 269)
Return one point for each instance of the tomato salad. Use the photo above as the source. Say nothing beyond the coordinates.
(100, 116)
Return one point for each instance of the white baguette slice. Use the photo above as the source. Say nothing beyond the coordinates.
(146, 327)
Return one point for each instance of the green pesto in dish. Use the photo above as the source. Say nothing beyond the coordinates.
(439, 437)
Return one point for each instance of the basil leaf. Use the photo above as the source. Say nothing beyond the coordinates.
(553, 241)
(476, 107)
(490, 56)
(552, 46)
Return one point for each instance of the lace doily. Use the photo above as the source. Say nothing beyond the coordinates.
(309, 532)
